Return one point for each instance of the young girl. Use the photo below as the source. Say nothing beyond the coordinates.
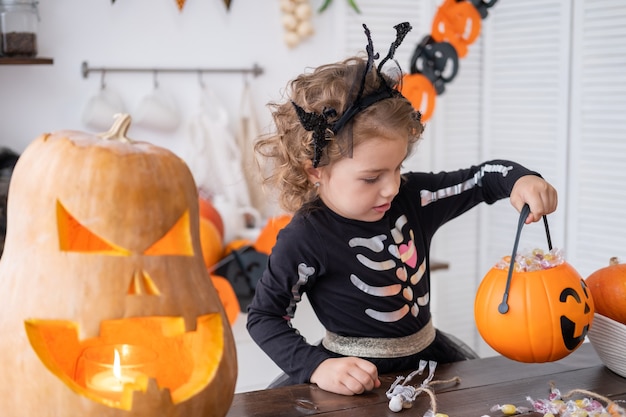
(358, 243)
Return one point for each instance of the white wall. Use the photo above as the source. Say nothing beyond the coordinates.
(152, 33)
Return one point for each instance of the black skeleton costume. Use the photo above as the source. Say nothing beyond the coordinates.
(368, 282)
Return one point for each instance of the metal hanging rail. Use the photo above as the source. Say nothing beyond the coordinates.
(255, 70)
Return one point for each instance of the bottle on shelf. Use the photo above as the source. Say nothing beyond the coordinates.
(19, 21)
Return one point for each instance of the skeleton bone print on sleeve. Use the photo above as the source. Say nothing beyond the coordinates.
(304, 273)
(428, 196)
(403, 253)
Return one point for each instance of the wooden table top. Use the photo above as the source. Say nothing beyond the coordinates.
(484, 383)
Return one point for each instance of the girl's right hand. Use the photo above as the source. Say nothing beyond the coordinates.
(346, 376)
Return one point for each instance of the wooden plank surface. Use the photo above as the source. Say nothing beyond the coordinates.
(484, 383)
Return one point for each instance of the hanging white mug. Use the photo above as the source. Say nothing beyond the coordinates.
(101, 109)
(158, 110)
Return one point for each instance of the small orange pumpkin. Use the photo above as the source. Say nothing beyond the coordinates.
(211, 242)
(102, 250)
(228, 297)
(209, 212)
(267, 237)
(608, 288)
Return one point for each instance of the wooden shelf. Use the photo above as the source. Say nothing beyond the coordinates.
(7, 60)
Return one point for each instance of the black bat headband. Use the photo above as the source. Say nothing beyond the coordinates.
(318, 123)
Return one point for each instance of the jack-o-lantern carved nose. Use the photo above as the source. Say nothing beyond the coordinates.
(142, 284)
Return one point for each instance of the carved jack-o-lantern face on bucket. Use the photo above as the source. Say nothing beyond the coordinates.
(103, 251)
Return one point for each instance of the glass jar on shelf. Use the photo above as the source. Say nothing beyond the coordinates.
(19, 21)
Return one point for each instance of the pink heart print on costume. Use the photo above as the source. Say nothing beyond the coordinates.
(408, 254)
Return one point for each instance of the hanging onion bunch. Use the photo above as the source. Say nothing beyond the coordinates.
(296, 21)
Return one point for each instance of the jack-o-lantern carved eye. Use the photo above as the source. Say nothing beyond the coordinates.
(76, 237)
(177, 241)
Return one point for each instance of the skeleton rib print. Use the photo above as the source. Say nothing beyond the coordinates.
(403, 255)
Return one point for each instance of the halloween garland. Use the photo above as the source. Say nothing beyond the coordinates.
(181, 3)
(435, 61)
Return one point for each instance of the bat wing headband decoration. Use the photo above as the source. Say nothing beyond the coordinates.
(318, 123)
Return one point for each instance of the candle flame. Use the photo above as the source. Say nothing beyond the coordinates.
(117, 369)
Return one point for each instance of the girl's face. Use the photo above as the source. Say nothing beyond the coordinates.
(362, 187)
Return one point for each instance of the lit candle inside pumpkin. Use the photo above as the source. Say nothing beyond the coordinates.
(114, 379)
(129, 364)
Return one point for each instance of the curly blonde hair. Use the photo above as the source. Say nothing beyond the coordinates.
(289, 149)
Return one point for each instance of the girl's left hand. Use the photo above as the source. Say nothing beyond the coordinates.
(540, 196)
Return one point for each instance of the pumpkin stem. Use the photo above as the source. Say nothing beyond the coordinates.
(613, 261)
(119, 129)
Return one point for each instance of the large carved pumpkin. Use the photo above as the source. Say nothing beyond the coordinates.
(103, 249)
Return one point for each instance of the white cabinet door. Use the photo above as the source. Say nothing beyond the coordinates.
(596, 199)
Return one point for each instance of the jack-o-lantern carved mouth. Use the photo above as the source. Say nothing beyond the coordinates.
(186, 361)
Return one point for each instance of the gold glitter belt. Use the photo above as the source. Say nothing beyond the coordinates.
(380, 347)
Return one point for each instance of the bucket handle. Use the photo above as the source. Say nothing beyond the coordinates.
(504, 306)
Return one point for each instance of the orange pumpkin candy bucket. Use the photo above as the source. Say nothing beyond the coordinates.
(537, 316)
